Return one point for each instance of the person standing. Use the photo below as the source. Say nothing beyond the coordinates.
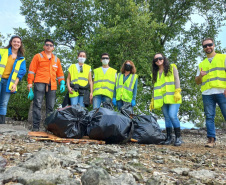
(44, 69)
(211, 74)
(79, 74)
(126, 85)
(167, 95)
(12, 70)
(104, 82)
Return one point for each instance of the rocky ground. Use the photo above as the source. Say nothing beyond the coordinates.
(25, 161)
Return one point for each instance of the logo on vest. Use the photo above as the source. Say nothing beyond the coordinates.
(55, 66)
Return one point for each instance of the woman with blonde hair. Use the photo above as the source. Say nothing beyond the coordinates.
(126, 85)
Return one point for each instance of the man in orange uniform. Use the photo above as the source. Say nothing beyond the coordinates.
(44, 69)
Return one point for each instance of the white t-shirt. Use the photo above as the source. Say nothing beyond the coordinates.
(78, 67)
(105, 70)
(212, 90)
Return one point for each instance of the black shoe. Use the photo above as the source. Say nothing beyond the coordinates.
(35, 129)
(2, 119)
(178, 140)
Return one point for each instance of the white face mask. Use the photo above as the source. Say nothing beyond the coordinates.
(105, 61)
(81, 60)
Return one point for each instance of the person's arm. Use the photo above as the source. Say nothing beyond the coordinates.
(91, 86)
(32, 71)
(13, 88)
(22, 70)
(59, 72)
(135, 90)
(176, 78)
(68, 83)
(199, 75)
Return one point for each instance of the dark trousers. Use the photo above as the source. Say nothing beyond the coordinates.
(39, 92)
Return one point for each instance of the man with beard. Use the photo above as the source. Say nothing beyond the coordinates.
(211, 74)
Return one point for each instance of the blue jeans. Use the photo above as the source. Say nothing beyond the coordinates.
(4, 96)
(76, 100)
(209, 102)
(170, 113)
(98, 99)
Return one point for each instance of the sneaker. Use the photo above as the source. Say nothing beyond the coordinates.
(211, 143)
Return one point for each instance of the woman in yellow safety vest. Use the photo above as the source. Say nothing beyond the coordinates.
(79, 77)
(167, 95)
(12, 70)
(126, 85)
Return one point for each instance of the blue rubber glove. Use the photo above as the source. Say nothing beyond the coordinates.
(133, 103)
(62, 86)
(114, 101)
(30, 95)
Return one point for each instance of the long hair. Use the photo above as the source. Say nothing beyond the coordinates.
(133, 70)
(155, 68)
(21, 50)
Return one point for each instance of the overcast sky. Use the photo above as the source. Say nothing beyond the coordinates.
(10, 18)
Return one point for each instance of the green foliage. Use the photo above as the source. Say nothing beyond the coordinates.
(129, 30)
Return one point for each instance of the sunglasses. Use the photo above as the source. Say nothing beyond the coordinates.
(205, 46)
(104, 58)
(158, 58)
(47, 45)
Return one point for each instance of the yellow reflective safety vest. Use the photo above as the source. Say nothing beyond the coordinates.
(79, 78)
(164, 89)
(4, 59)
(104, 84)
(216, 74)
(124, 91)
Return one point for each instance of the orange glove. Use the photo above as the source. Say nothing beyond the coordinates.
(151, 104)
(177, 95)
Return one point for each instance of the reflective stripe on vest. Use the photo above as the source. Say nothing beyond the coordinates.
(104, 84)
(79, 78)
(15, 73)
(215, 72)
(124, 91)
(164, 89)
(4, 59)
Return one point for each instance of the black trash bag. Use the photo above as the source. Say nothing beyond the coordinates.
(109, 126)
(127, 109)
(66, 100)
(107, 105)
(68, 122)
(147, 130)
(86, 98)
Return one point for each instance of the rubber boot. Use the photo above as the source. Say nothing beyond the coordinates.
(168, 140)
(2, 119)
(178, 140)
(35, 128)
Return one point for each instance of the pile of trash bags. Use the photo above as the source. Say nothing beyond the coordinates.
(104, 124)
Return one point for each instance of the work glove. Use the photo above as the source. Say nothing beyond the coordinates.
(133, 103)
(62, 86)
(114, 101)
(177, 95)
(151, 104)
(30, 95)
